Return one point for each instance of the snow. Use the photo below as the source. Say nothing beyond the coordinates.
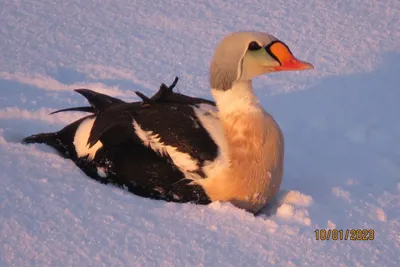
(340, 121)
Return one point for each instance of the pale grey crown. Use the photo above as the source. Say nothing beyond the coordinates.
(226, 65)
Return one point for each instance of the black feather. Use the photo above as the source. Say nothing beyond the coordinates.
(144, 98)
(164, 90)
(116, 116)
(166, 95)
(82, 109)
(98, 101)
(175, 123)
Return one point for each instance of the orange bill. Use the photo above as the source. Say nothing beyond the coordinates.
(286, 59)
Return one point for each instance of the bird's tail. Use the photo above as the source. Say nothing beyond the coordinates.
(50, 139)
(42, 138)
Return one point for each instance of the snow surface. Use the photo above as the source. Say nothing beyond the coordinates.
(341, 124)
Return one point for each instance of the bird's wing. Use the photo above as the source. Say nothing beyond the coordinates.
(171, 129)
(98, 102)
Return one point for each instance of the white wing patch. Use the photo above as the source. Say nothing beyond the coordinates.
(82, 136)
(208, 116)
(101, 172)
(182, 160)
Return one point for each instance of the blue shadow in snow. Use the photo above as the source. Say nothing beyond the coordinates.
(345, 129)
(71, 76)
(14, 93)
(67, 75)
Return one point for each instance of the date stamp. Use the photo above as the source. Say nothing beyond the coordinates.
(347, 234)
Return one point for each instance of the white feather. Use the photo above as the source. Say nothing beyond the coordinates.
(208, 116)
(182, 160)
(101, 172)
(82, 136)
(240, 98)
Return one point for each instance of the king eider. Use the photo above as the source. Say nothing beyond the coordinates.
(183, 149)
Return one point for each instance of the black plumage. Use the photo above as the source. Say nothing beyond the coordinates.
(98, 102)
(124, 159)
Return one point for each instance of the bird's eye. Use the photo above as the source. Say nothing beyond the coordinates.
(254, 46)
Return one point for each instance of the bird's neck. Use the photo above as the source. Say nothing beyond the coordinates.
(244, 122)
(254, 149)
(239, 99)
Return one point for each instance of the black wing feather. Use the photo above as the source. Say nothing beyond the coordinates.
(120, 116)
(166, 95)
(98, 101)
(176, 124)
(82, 109)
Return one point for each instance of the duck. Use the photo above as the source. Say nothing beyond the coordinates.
(178, 148)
